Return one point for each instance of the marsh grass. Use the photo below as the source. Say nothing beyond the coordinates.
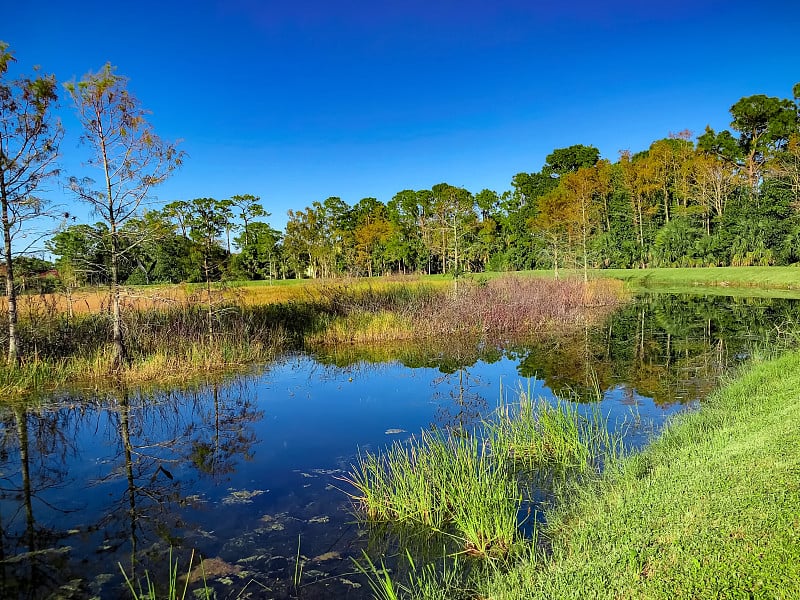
(447, 483)
(177, 586)
(500, 305)
(470, 486)
(560, 437)
(165, 346)
(173, 340)
(434, 580)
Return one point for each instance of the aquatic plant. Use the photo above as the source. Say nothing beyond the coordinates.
(507, 304)
(448, 483)
(431, 581)
(548, 437)
(177, 586)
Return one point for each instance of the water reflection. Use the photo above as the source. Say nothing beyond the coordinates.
(247, 472)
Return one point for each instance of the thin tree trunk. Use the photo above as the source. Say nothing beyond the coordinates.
(11, 291)
(120, 355)
(209, 313)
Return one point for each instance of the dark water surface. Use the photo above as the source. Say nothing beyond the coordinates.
(247, 472)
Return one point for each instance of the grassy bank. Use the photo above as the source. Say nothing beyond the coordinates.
(728, 278)
(709, 510)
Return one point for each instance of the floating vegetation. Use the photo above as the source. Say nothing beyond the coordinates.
(242, 496)
(321, 519)
(213, 568)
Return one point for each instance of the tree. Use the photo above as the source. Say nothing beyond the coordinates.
(82, 252)
(249, 208)
(764, 125)
(406, 246)
(555, 220)
(711, 182)
(131, 158)
(639, 181)
(260, 250)
(665, 161)
(568, 160)
(154, 252)
(207, 221)
(587, 188)
(29, 138)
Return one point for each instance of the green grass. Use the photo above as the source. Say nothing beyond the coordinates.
(177, 588)
(709, 510)
(446, 483)
(470, 486)
(684, 279)
(553, 439)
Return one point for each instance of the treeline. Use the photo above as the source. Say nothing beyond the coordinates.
(724, 198)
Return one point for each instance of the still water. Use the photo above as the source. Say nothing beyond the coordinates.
(247, 472)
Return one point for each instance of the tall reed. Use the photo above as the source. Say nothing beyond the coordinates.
(470, 486)
(554, 437)
(445, 482)
(503, 305)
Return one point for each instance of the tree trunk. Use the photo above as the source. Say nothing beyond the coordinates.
(11, 291)
(118, 342)
(210, 313)
(555, 259)
(120, 354)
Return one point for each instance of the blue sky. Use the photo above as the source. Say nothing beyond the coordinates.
(295, 102)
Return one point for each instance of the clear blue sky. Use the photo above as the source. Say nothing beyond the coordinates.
(298, 101)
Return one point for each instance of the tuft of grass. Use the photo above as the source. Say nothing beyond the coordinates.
(176, 589)
(560, 437)
(470, 486)
(447, 483)
(431, 581)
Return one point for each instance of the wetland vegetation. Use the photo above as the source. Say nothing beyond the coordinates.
(183, 340)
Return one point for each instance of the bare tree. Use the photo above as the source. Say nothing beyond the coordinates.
(29, 138)
(131, 158)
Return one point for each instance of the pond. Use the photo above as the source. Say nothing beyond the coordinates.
(248, 472)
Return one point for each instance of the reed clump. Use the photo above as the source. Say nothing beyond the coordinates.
(164, 345)
(502, 305)
(446, 483)
(473, 487)
(562, 437)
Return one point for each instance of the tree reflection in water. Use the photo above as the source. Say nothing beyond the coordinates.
(126, 505)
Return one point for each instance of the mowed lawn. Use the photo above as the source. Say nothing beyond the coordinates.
(711, 509)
